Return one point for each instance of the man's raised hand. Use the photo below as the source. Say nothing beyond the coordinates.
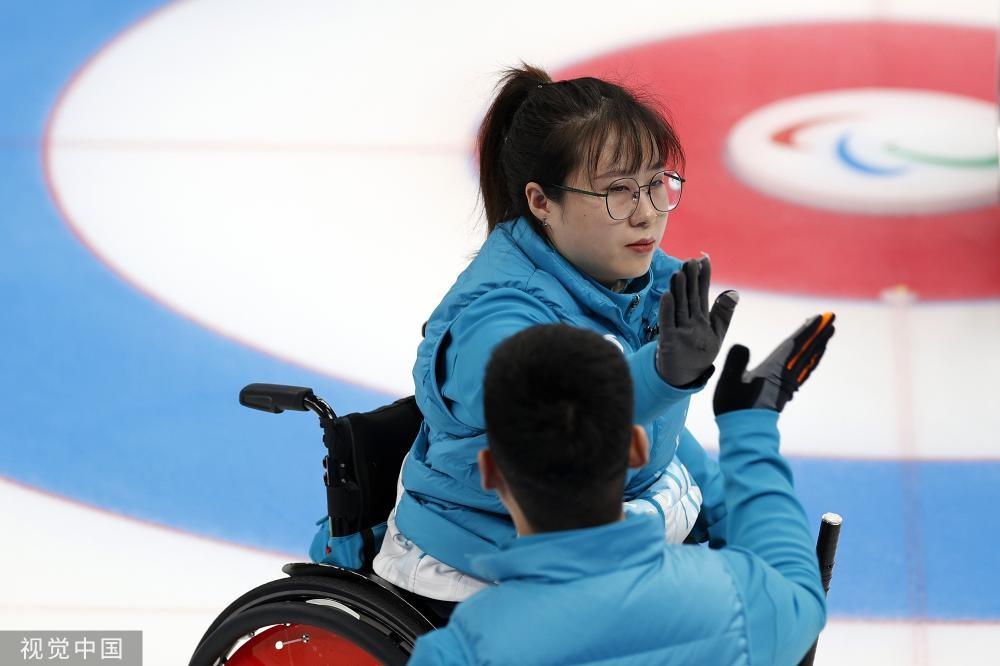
(772, 383)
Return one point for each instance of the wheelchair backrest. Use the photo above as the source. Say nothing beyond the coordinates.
(366, 450)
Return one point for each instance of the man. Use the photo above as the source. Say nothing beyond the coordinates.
(584, 583)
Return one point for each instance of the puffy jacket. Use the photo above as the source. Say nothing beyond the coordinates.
(518, 280)
(618, 594)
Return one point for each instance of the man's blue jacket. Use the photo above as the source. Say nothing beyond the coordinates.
(618, 594)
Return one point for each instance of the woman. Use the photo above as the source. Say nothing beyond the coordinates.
(577, 178)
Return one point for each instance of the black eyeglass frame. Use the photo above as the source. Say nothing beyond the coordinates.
(669, 174)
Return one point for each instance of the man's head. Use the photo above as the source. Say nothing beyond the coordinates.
(559, 406)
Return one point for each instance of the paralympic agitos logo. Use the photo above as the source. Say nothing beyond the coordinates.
(878, 151)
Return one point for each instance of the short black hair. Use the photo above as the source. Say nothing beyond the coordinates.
(559, 407)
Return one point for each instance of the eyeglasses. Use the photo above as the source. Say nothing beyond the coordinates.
(622, 197)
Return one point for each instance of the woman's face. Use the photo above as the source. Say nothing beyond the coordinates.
(583, 231)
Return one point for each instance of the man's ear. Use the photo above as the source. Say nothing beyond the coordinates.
(489, 474)
(538, 203)
(492, 479)
(638, 448)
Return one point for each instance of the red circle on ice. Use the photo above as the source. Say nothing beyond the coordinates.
(712, 80)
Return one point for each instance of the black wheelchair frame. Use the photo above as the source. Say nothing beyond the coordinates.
(361, 467)
(283, 621)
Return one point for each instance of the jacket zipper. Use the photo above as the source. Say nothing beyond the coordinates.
(632, 306)
(634, 339)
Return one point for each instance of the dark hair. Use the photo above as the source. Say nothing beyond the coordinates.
(558, 403)
(540, 131)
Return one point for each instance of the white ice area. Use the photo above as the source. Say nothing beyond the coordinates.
(67, 566)
(299, 179)
(72, 567)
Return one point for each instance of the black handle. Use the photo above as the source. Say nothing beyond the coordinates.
(826, 551)
(276, 398)
(826, 546)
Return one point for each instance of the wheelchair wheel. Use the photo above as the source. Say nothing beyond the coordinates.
(359, 595)
(346, 594)
(293, 633)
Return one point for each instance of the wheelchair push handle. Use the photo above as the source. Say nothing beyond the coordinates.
(826, 551)
(826, 546)
(276, 398)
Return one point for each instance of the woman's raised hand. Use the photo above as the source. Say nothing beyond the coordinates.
(690, 334)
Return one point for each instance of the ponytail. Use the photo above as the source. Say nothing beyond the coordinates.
(513, 89)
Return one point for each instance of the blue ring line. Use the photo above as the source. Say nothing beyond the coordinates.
(845, 155)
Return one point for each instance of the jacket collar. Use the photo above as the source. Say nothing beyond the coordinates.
(572, 554)
(545, 257)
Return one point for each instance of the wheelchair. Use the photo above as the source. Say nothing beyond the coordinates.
(322, 613)
(327, 614)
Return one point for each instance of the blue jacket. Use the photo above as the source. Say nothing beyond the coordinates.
(518, 280)
(618, 594)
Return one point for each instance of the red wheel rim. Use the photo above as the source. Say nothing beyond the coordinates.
(284, 645)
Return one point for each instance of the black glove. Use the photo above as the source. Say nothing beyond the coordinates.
(691, 335)
(771, 384)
